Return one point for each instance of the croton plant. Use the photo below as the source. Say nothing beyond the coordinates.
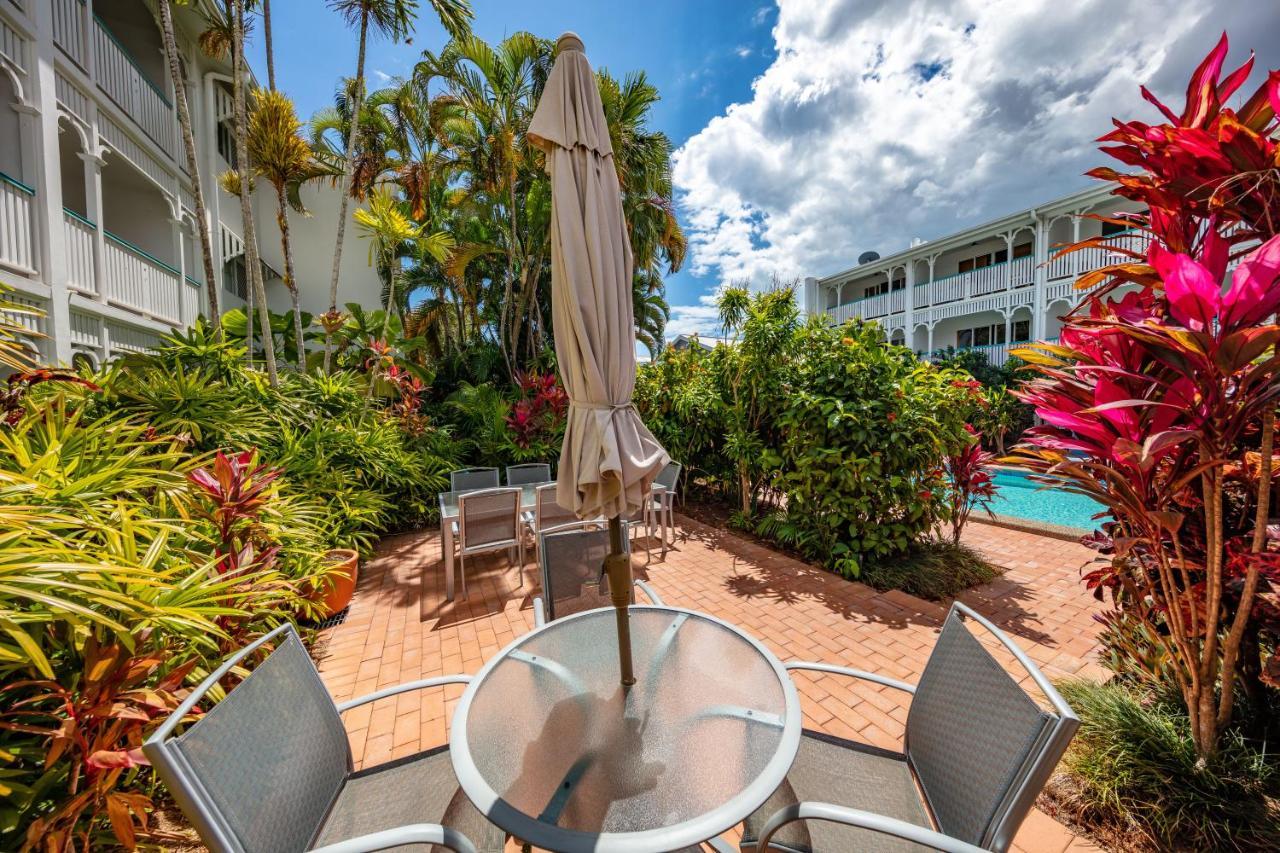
(1159, 398)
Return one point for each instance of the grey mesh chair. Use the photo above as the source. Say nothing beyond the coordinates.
(533, 472)
(571, 558)
(467, 479)
(547, 513)
(269, 770)
(488, 520)
(977, 746)
(662, 499)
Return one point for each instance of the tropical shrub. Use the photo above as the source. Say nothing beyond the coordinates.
(969, 482)
(865, 430)
(1160, 402)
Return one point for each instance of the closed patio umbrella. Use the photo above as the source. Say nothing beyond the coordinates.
(609, 458)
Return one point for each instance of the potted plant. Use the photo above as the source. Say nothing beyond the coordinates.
(337, 584)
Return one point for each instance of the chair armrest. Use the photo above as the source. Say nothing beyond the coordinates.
(832, 669)
(649, 592)
(865, 820)
(414, 833)
(539, 612)
(422, 684)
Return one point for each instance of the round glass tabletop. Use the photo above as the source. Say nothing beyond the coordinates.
(549, 745)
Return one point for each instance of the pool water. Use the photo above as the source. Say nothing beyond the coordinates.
(1018, 496)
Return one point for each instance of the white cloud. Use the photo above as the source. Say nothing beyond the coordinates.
(762, 15)
(879, 122)
(382, 77)
(699, 319)
(742, 51)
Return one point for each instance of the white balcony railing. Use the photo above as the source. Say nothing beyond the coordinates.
(69, 17)
(140, 282)
(131, 90)
(17, 246)
(79, 233)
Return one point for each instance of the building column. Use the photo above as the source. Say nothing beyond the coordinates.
(1040, 251)
(48, 183)
(1008, 260)
(1075, 238)
(93, 164)
(811, 306)
(180, 251)
(929, 345)
(908, 304)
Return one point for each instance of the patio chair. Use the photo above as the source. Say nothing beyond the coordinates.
(488, 520)
(571, 558)
(546, 514)
(468, 479)
(662, 500)
(976, 745)
(269, 768)
(533, 472)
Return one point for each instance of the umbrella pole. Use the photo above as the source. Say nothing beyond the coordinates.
(617, 565)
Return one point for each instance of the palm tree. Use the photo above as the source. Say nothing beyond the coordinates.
(246, 184)
(283, 158)
(193, 163)
(266, 40)
(393, 19)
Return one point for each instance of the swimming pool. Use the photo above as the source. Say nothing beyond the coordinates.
(1018, 496)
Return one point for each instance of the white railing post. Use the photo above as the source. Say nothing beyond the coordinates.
(93, 164)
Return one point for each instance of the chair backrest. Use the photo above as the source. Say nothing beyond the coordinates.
(980, 747)
(547, 512)
(260, 769)
(488, 518)
(669, 476)
(570, 558)
(465, 479)
(532, 472)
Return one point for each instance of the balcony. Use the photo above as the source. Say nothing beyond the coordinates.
(17, 242)
(141, 282)
(115, 71)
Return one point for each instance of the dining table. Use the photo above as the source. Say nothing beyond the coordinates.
(582, 763)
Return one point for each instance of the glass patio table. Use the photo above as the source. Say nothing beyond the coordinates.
(551, 748)
(449, 514)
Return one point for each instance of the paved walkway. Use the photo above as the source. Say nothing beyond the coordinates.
(400, 628)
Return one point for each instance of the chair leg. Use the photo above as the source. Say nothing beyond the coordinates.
(462, 571)
(520, 568)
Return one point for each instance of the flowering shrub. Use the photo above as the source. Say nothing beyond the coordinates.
(1159, 402)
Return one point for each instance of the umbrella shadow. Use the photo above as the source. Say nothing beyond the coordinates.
(609, 769)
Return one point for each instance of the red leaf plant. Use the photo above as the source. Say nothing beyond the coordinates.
(96, 728)
(970, 484)
(540, 411)
(237, 490)
(1164, 383)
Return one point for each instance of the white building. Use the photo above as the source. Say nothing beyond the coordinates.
(96, 221)
(988, 287)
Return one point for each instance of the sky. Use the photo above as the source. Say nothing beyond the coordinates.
(809, 131)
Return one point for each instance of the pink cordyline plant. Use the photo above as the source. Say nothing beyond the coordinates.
(971, 484)
(1159, 402)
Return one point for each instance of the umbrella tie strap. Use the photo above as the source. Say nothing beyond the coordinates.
(611, 407)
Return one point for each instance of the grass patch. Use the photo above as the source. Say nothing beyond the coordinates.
(933, 569)
(1131, 776)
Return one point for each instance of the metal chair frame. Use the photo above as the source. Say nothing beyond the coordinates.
(187, 790)
(541, 607)
(542, 469)
(517, 532)
(462, 473)
(1013, 809)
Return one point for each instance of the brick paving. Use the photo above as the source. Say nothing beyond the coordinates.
(400, 628)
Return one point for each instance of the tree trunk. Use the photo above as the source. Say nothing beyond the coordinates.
(290, 281)
(266, 38)
(193, 164)
(348, 174)
(251, 259)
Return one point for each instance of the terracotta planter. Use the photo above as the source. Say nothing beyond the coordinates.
(337, 587)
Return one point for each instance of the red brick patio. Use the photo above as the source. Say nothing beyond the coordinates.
(400, 628)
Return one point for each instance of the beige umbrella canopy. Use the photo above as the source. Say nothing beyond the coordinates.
(609, 458)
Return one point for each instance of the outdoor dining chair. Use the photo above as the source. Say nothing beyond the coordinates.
(662, 500)
(531, 472)
(488, 520)
(269, 768)
(976, 745)
(547, 514)
(466, 479)
(571, 558)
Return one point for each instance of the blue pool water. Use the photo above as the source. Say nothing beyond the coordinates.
(1018, 496)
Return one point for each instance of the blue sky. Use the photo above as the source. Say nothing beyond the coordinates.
(809, 131)
(702, 55)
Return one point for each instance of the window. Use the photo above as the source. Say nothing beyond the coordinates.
(982, 336)
(876, 290)
(899, 284)
(964, 338)
(995, 333)
(1110, 229)
(235, 279)
(227, 144)
(1022, 250)
(1022, 330)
